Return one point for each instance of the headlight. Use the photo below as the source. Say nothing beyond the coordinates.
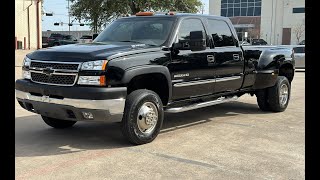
(94, 65)
(26, 62)
(92, 80)
(25, 68)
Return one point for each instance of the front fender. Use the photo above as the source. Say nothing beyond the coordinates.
(130, 73)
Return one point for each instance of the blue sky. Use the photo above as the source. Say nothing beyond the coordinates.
(60, 14)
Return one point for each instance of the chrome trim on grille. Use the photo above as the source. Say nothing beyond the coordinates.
(75, 80)
(55, 73)
(66, 72)
(58, 62)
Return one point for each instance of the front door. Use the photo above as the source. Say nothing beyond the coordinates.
(191, 72)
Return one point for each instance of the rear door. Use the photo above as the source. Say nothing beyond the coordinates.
(228, 62)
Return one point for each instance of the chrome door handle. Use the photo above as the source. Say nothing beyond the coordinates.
(236, 57)
(210, 58)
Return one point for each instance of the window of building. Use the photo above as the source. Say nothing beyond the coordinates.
(298, 10)
(221, 33)
(230, 8)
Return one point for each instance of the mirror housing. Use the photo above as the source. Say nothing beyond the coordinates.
(197, 41)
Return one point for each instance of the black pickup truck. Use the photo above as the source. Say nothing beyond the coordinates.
(142, 66)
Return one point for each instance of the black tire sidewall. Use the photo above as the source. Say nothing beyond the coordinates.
(274, 93)
(136, 100)
(262, 99)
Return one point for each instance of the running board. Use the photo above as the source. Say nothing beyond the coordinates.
(201, 105)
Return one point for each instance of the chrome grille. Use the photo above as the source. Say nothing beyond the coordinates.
(54, 65)
(53, 79)
(60, 73)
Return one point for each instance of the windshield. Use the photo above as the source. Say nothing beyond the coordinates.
(149, 31)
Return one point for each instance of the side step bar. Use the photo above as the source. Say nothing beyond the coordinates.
(201, 105)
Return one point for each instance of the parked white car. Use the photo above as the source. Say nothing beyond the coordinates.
(299, 55)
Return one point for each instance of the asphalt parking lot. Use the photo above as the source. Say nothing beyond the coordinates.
(228, 141)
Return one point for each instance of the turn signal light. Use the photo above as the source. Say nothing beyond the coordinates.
(144, 14)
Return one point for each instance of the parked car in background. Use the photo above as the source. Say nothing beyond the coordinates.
(85, 39)
(244, 43)
(258, 42)
(61, 39)
(44, 41)
(254, 42)
(299, 55)
(302, 42)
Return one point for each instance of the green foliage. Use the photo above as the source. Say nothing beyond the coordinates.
(99, 12)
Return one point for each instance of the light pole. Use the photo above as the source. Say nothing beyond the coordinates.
(69, 14)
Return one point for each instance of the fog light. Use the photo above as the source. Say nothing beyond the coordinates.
(87, 115)
(26, 74)
(92, 80)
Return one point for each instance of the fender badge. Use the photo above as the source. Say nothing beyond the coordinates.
(180, 75)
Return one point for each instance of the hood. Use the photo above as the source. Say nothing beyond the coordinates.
(84, 52)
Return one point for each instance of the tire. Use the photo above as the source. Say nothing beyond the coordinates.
(143, 117)
(56, 44)
(58, 123)
(262, 99)
(279, 95)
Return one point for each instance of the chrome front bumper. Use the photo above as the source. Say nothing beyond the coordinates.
(105, 110)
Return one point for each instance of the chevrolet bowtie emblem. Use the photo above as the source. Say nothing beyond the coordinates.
(48, 71)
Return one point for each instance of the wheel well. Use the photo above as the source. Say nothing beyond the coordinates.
(287, 71)
(155, 82)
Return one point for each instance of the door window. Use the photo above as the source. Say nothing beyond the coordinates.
(187, 26)
(221, 33)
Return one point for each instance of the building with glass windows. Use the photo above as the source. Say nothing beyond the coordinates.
(275, 21)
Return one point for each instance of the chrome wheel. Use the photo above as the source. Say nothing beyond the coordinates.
(284, 94)
(147, 117)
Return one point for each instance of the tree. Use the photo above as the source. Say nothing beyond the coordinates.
(299, 30)
(96, 12)
(99, 12)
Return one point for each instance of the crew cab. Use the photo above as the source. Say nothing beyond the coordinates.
(144, 65)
